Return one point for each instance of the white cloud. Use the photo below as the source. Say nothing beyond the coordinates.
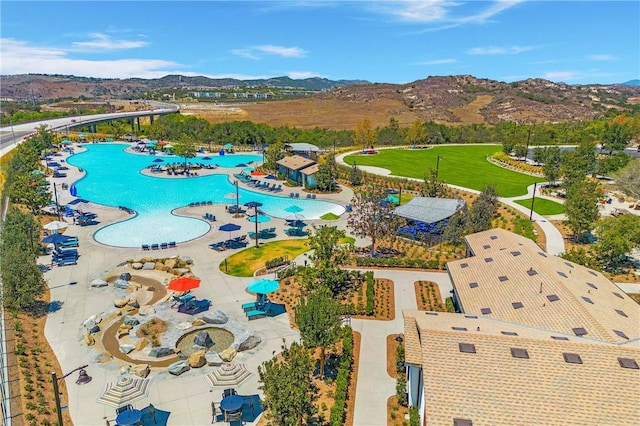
(499, 50)
(259, 52)
(562, 76)
(99, 41)
(298, 75)
(437, 62)
(602, 57)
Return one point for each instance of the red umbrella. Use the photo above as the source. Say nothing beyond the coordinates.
(184, 284)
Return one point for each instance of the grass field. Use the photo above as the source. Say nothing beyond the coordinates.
(462, 165)
(543, 206)
(249, 260)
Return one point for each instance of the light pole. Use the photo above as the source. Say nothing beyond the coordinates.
(83, 378)
(528, 138)
(55, 193)
(533, 199)
(438, 166)
(256, 220)
(237, 197)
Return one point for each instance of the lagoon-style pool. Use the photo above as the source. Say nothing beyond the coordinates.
(113, 178)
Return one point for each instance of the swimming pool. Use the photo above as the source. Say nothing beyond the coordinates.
(113, 178)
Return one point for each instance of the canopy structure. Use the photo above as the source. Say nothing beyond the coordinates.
(429, 209)
(259, 218)
(184, 284)
(263, 286)
(293, 209)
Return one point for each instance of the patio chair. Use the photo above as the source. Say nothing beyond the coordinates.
(229, 392)
(124, 408)
(233, 416)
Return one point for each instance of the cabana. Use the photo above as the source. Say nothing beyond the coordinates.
(427, 215)
(291, 167)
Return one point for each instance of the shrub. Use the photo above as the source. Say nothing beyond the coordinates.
(401, 391)
(336, 417)
(414, 416)
(370, 293)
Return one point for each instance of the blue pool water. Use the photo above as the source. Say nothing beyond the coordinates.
(113, 178)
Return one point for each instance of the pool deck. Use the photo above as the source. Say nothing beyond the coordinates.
(188, 397)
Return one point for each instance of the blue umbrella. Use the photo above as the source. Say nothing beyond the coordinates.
(260, 218)
(73, 190)
(293, 209)
(263, 286)
(228, 145)
(206, 158)
(55, 239)
(158, 160)
(393, 199)
(252, 204)
(230, 227)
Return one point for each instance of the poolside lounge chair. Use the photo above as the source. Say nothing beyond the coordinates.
(193, 307)
(155, 246)
(164, 245)
(145, 247)
(313, 196)
(172, 244)
(297, 195)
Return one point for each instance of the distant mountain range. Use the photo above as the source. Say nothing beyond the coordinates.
(444, 99)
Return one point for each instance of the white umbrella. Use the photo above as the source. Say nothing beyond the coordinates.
(56, 225)
(228, 375)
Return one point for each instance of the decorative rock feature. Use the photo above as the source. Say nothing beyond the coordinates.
(197, 322)
(213, 358)
(170, 263)
(161, 352)
(140, 370)
(180, 271)
(203, 339)
(123, 330)
(142, 343)
(119, 303)
(125, 369)
(216, 317)
(248, 341)
(127, 348)
(88, 339)
(146, 310)
(120, 283)
(183, 326)
(197, 359)
(134, 286)
(134, 303)
(178, 367)
(131, 320)
(148, 266)
(94, 329)
(136, 265)
(228, 354)
(89, 323)
(125, 276)
(98, 283)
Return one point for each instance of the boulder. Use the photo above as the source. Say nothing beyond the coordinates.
(123, 331)
(94, 329)
(146, 310)
(203, 339)
(170, 263)
(213, 358)
(197, 322)
(197, 359)
(136, 265)
(88, 339)
(228, 354)
(126, 348)
(248, 341)
(125, 276)
(119, 303)
(142, 343)
(187, 260)
(140, 370)
(180, 271)
(183, 326)
(98, 283)
(131, 320)
(148, 266)
(134, 303)
(134, 286)
(178, 367)
(125, 369)
(161, 352)
(119, 283)
(215, 317)
(89, 323)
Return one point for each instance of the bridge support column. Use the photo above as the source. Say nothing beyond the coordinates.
(151, 119)
(138, 123)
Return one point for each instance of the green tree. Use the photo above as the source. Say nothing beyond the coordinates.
(185, 147)
(552, 162)
(617, 236)
(457, 226)
(364, 134)
(483, 210)
(627, 179)
(432, 187)
(287, 383)
(372, 215)
(273, 154)
(615, 137)
(324, 178)
(319, 318)
(355, 176)
(520, 151)
(416, 133)
(581, 206)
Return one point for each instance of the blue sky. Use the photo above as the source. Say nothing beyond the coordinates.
(576, 42)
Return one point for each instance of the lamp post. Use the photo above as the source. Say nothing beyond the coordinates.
(438, 166)
(256, 221)
(533, 199)
(237, 196)
(55, 194)
(528, 138)
(83, 378)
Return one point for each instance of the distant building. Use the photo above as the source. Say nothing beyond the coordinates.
(427, 215)
(538, 340)
(291, 167)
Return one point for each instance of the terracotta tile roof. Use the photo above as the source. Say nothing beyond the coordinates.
(511, 279)
(295, 162)
(499, 383)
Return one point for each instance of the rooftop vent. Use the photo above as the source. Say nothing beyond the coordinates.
(586, 299)
(562, 274)
(593, 273)
(468, 348)
(559, 338)
(579, 331)
(464, 265)
(509, 333)
(553, 297)
(488, 259)
(572, 358)
(430, 313)
(628, 363)
(462, 422)
(486, 246)
(473, 285)
(618, 295)
(516, 253)
(519, 353)
(531, 272)
(621, 334)
(503, 278)
(622, 313)
(494, 237)
(471, 316)
(593, 286)
(542, 254)
(485, 311)
(459, 328)
(517, 305)
(570, 265)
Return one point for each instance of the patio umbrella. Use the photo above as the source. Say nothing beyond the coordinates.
(253, 204)
(55, 239)
(259, 218)
(293, 209)
(294, 217)
(228, 145)
(230, 227)
(263, 286)
(56, 225)
(158, 160)
(393, 199)
(37, 172)
(184, 284)
(233, 196)
(228, 375)
(73, 190)
(126, 389)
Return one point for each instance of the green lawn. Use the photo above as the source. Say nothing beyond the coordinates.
(462, 165)
(249, 260)
(543, 206)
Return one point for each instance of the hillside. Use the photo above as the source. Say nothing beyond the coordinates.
(342, 104)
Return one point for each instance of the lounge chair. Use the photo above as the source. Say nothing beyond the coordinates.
(145, 247)
(69, 261)
(172, 244)
(309, 196)
(164, 245)
(251, 315)
(313, 196)
(297, 195)
(155, 246)
(193, 307)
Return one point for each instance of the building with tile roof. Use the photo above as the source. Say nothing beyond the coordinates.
(292, 165)
(539, 340)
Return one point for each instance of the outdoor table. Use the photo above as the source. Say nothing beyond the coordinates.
(129, 417)
(231, 403)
